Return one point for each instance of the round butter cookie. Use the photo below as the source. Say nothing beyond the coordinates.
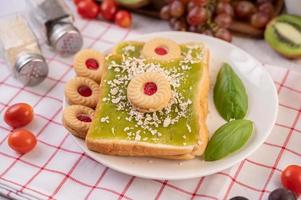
(77, 119)
(149, 92)
(82, 91)
(89, 63)
(161, 49)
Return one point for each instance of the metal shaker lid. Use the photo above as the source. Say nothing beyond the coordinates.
(31, 69)
(65, 38)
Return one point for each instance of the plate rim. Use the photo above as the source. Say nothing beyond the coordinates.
(195, 175)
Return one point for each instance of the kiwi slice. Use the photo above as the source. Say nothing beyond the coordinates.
(283, 34)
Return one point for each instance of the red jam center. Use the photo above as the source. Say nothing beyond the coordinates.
(84, 91)
(83, 118)
(92, 64)
(150, 88)
(161, 51)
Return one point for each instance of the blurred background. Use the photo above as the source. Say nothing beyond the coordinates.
(149, 21)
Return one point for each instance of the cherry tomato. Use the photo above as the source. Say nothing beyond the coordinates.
(123, 18)
(291, 178)
(108, 9)
(18, 115)
(88, 9)
(22, 141)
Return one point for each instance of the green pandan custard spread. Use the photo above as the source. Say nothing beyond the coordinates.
(177, 124)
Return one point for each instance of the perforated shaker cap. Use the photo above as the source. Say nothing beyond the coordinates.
(31, 69)
(65, 39)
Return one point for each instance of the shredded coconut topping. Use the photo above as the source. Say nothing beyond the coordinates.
(113, 131)
(177, 108)
(189, 128)
(105, 119)
(128, 49)
(166, 122)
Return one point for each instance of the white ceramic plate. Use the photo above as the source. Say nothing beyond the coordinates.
(263, 107)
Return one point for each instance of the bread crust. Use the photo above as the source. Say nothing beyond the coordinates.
(135, 148)
(139, 148)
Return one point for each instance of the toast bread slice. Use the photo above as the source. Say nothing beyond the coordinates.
(139, 148)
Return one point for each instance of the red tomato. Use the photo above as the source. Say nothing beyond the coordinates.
(123, 18)
(22, 140)
(291, 178)
(18, 115)
(108, 9)
(88, 9)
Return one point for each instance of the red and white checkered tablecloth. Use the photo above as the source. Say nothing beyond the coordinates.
(58, 169)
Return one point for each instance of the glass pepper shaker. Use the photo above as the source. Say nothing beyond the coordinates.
(56, 22)
(20, 49)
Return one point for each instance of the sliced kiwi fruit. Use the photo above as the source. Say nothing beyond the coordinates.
(283, 34)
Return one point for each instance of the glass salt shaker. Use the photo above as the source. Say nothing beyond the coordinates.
(56, 23)
(20, 49)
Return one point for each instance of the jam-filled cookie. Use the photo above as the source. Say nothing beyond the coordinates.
(89, 63)
(77, 119)
(161, 49)
(82, 91)
(149, 92)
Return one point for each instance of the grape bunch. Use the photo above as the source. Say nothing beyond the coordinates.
(258, 14)
(215, 17)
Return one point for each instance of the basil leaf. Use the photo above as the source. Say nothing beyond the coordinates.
(228, 138)
(230, 96)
